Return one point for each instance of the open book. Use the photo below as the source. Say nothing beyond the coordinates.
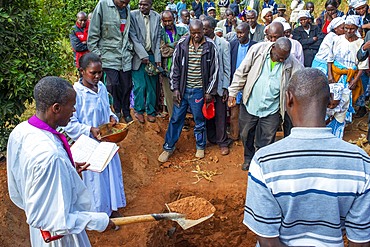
(97, 154)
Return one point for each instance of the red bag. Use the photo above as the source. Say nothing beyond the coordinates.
(209, 111)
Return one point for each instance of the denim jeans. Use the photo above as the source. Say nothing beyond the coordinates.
(194, 98)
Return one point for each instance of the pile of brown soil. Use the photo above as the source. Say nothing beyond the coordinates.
(192, 207)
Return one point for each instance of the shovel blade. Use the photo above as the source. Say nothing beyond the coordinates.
(186, 223)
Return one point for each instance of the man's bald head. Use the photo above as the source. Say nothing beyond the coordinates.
(274, 31)
(281, 50)
(167, 14)
(81, 19)
(284, 44)
(81, 14)
(195, 24)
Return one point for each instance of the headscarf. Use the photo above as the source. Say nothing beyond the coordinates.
(337, 90)
(353, 20)
(286, 26)
(264, 13)
(279, 19)
(358, 3)
(304, 13)
(336, 22)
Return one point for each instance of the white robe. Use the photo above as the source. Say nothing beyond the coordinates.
(43, 182)
(92, 110)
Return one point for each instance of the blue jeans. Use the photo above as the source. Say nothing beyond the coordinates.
(194, 98)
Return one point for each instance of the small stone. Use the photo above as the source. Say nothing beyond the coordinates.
(215, 159)
(167, 164)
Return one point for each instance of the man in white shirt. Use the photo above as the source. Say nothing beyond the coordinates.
(42, 177)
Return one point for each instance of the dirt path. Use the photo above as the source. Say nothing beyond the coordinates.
(149, 185)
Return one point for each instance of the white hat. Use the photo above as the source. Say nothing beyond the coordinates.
(304, 13)
(211, 8)
(358, 3)
(279, 19)
(218, 29)
(286, 26)
(336, 22)
(264, 13)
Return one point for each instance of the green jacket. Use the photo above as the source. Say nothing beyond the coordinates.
(105, 38)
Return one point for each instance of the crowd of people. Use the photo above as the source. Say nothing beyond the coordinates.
(239, 79)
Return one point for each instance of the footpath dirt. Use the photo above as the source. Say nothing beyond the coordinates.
(149, 185)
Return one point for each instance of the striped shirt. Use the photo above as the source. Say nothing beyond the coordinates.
(307, 187)
(194, 68)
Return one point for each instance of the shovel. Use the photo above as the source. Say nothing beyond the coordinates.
(179, 217)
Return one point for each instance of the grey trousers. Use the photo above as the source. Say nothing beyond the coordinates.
(256, 132)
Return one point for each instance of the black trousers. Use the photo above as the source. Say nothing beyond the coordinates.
(119, 85)
(256, 132)
(216, 127)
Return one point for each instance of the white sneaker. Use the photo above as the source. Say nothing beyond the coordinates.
(164, 156)
(200, 153)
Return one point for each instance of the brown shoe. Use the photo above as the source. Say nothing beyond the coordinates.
(140, 117)
(224, 150)
(150, 118)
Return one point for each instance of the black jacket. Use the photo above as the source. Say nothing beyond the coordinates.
(209, 66)
(234, 46)
(198, 8)
(310, 47)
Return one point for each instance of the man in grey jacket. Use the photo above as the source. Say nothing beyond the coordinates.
(216, 127)
(145, 33)
(262, 76)
(109, 38)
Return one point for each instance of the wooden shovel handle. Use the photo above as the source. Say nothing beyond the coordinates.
(146, 218)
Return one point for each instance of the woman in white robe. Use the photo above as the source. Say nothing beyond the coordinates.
(92, 110)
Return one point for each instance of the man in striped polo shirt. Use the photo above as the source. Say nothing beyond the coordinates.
(193, 82)
(307, 188)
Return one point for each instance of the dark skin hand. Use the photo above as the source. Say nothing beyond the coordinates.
(225, 95)
(353, 84)
(208, 98)
(176, 97)
(112, 120)
(80, 167)
(145, 60)
(231, 102)
(270, 242)
(111, 226)
(95, 132)
(330, 73)
(351, 244)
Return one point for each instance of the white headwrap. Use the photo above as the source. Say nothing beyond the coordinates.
(286, 26)
(353, 20)
(337, 90)
(304, 13)
(264, 13)
(283, 21)
(279, 19)
(358, 3)
(336, 22)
